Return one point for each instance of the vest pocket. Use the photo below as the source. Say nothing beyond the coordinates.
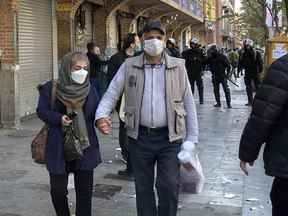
(130, 117)
(180, 121)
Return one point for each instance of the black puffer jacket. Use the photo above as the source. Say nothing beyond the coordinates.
(268, 122)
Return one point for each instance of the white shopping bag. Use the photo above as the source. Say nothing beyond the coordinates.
(191, 179)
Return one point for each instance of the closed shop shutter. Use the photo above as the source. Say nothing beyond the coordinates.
(35, 51)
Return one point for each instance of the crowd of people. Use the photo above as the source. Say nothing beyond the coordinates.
(225, 65)
(150, 84)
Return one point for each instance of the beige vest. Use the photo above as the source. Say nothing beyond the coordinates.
(176, 84)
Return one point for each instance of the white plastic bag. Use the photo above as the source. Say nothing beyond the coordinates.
(191, 172)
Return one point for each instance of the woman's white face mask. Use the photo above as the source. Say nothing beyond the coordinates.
(79, 76)
(154, 47)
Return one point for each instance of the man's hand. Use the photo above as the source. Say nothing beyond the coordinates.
(243, 166)
(105, 125)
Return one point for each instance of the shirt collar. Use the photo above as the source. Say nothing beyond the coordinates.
(163, 62)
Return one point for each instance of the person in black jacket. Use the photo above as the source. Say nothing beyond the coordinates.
(130, 45)
(220, 67)
(172, 50)
(95, 61)
(194, 61)
(95, 68)
(268, 124)
(251, 61)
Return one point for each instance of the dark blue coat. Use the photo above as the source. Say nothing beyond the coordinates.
(54, 150)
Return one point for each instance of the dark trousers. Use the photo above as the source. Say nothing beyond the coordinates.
(216, 84)
(234, 72)
(248, 79)
(123, 142)
(279, 197)
(200, 87)
(239, 72)
(147, 151)
(83, 186)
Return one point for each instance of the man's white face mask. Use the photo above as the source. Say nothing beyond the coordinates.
(153, 47)
(79, 76)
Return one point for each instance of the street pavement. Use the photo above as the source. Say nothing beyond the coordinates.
(24, 186)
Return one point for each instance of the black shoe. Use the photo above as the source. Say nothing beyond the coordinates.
(201, 102)
(229, 106)
(217, 105)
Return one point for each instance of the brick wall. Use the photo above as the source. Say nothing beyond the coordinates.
(64, 33)
(6, 31)
(100, 27)
(218, 26)
(8, 8)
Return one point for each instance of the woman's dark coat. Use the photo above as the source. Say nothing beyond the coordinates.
(54, 150)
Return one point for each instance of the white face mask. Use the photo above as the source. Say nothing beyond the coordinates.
(79, 76)
(153, 47)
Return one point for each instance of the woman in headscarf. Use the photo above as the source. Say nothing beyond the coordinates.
(74, 108)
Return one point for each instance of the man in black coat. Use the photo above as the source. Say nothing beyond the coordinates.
(251, 61)
(194, 61)
(95, 60)
(268, 124)
(130, 45)
(172, 50)
(96, 73)
(220, 67)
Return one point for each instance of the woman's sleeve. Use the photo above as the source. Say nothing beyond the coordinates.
(45, 112)
(90, 112)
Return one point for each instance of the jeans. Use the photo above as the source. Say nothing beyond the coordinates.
(279, 197)
(83, 186)
(146, 152)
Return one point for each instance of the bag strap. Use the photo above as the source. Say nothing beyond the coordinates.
(53, 95)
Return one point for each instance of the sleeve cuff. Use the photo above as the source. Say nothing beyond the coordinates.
(191, 138)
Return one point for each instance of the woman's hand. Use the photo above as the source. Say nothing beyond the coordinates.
(66, 121)
(105, 125)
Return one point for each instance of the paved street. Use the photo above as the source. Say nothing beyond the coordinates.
(24, 188)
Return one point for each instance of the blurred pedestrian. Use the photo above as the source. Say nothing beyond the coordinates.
(220, 68)
(233, 57)
(74, 107)
(252, 62)
(96, 64)
(159, 114)
(268, 124)
(172, 50)
(130, 46)
(194, 61)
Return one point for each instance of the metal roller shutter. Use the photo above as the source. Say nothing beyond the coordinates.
(35, 50)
